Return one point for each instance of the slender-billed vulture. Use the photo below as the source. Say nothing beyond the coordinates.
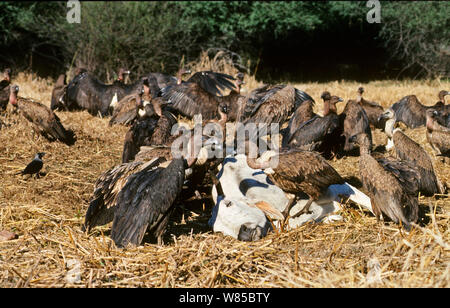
(437, 135)
(296, 171)
(43, 120)
(409, 150)
(372, 109)
(392, 185)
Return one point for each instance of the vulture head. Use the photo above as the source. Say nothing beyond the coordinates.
(390, 118)
(182, 71)
(329, 102)
(442, 94)
(13, 90)
(360, 90)
(58, 92)
(7, 74)
(362, 140)
(122, 73)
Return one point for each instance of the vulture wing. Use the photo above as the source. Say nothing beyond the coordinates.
(145, 202)
(213, 82)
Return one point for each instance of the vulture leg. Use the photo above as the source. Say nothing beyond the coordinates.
(305, 209)
(289, 206)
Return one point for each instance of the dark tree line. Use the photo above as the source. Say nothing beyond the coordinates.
(278, 40)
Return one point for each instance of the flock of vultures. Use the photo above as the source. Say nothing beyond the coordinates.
(140, 194)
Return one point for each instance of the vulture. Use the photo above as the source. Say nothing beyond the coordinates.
(232, 100)
(43, 120)
(437, 135)
(271, 104)
(4, 89)
(392, 185)
(200, 94)
(58, 91)
(303, 113)
(410, 111)
(410, 151)
(443, 109)
(133, 106)
(139, 196)
(149, 130)
(296, 171)
(164, 80)
(322, 134)
(354, 120)
(86, 92)
(372, 109)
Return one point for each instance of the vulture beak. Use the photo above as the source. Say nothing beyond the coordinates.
(384, 116)
(269, 210)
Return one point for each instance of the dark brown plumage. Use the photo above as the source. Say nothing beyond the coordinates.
(409, 150)
(133, 106)
(86, 92)
(391, 185)
(4, 89)
(200, 94)
(437, 135)
(43, 120)
(410, 111)
(58, 91)
(148, 131)
(322, 134)
(164, 80)
(354, 120)
(299, 171)
(303, 113)
(271, 104)
(102, 204)
(372, 109)
(232, 99)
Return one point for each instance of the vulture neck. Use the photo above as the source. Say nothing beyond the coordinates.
(156, 107)
(328, 108)
(251, 148)
(389, 127)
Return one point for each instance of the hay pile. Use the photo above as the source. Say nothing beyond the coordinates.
(47, 215)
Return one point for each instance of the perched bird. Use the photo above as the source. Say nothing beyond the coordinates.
(34, 166)
(354, 120)
(303, 113)
(391, 184)
(409, 150)
(164, 80)
(372, 109)
(321, 134)
(4, 89)
(43, 120)
(232, 99)
(58, 91)
(410, 111)
(296, 171)
(437, 135)
(271, 104)
(200, 94)
(133, 106)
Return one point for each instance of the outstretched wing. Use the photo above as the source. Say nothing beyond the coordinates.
(213, 82)
(145, 201)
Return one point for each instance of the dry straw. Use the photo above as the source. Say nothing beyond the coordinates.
(47, 215)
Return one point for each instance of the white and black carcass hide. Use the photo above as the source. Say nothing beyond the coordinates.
(238, 211)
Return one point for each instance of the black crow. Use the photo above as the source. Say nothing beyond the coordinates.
(34, 166)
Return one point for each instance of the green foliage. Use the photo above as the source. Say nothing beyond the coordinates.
(419, 33)
(155, 36)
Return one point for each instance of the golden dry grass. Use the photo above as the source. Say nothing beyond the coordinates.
(47, 215)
